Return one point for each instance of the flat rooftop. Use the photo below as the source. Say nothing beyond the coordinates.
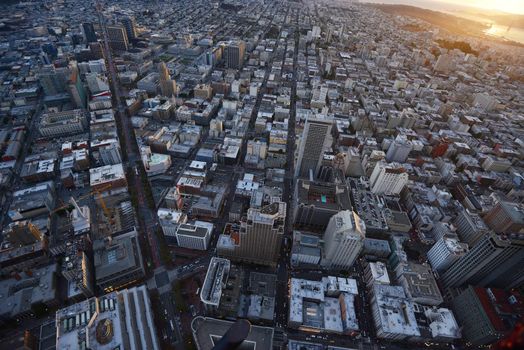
(17, 296)
(216, 277)
(194, 230)
(396, 313)
(106, 173)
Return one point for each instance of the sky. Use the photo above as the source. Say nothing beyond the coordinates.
(509, 6)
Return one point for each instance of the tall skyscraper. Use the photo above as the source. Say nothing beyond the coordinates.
(388, 179)
(76, 89)
(167, 85)
(343, 240)
(399, 149)
(445, 252)
(495, 261)
(487, 315)
(316, 138)
(110, 154)
(470, 227)
(130, 26)
(89, 32)
(234, 54)
(260, 235)
(53, 80)
(117, 38)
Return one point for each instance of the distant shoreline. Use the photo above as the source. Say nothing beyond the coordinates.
(452, 23)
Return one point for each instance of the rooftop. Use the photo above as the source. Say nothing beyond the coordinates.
(117, 255)
(216, 277)
(104, 323)
(442, 323)
(379, 272)
(17, 295)
(395, 312)
(107, 173)
(197, 229)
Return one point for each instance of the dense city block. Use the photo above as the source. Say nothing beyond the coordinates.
(257, 174)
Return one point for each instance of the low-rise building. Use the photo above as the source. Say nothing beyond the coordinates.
(376, 273)
(194, 235)
(170, 220)
(419, 283)
(154, 163)
(442, 324)
(32, 201)
(118, 320)
(216, 279)
(107, 177)
(393, 313)
(326, 305)
(306, 249)
(19, 294)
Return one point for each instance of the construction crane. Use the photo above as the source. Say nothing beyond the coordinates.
(98, 192)
(34, 231)
(107, 213)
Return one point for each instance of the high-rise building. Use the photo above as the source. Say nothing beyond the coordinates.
(53, 80)
(317, 202)
(130, 26)
(470, 227)
(234, 54)
(118, 261)
(388, 179)
(89, 32)
(260, 236)
(110, 154)
(399, 149)
(167, 85)
(445, 252)
(506, 217)
(75, 87)
(495, 261)
(117, 38)
(118, 320)
(343, 240)
(163, 71)
(97, 83)
(316, 138)
(487, 315)
(77, 269)
(369, 161)
(444, 63)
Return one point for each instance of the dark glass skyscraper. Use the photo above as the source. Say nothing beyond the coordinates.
(89, 32)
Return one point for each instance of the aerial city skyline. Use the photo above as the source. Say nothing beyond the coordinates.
(261, 174)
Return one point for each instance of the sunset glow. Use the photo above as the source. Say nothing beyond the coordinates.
(511, 6)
